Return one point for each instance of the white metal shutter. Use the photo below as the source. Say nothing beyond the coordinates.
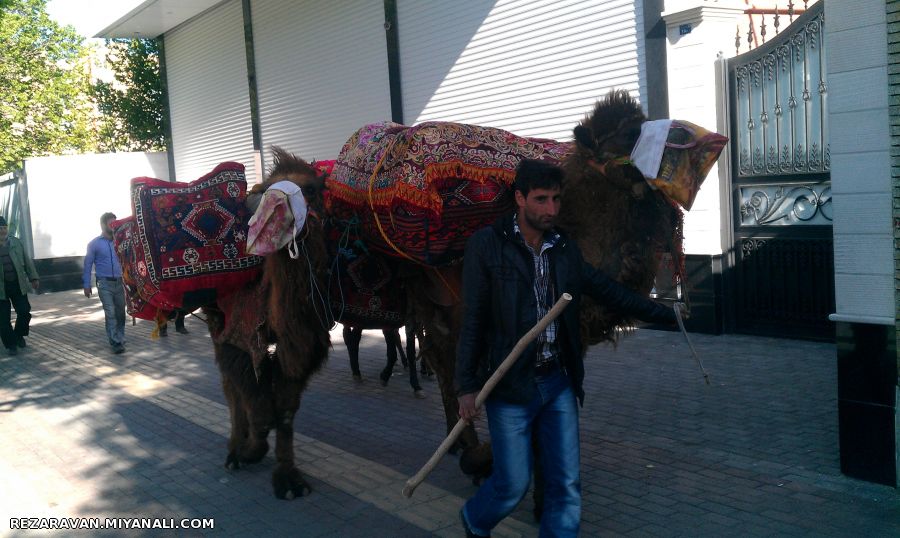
(321, 71)
(209, 97)
(533, 67)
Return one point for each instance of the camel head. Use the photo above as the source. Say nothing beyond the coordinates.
(612, 129)
(288, 203)
(605, 138)
(288, 167)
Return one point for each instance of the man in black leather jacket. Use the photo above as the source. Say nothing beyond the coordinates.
(513, 273)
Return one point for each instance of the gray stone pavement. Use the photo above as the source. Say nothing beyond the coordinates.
(85, 433)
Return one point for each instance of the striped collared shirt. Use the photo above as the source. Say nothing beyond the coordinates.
(543, 293)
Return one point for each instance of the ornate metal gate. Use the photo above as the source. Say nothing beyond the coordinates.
(783, 261)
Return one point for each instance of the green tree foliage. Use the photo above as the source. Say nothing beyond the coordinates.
(45, 104)
(134, 103)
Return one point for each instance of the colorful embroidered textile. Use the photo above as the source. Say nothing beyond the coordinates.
(240, 319)
(366, 291)
(187, 244)
(123, 237)
(683, 157)
(421, 191)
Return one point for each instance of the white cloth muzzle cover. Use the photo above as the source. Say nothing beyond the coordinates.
(278, 220)
(648, 151)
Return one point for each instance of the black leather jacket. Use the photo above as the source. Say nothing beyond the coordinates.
(499, 308)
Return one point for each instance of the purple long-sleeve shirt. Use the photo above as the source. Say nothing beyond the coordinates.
(101, 253)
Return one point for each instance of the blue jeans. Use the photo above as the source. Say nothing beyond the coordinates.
(553, 416)
(112, 297)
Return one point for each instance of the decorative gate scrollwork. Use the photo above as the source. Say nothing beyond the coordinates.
(782, 258)
(785, 205)
(781, 100)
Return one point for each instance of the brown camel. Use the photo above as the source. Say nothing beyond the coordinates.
(621, 226)
(268, 344)
(268, 347)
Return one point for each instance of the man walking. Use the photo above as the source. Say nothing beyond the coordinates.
(101, 255)
(513, 273)
(18, 275)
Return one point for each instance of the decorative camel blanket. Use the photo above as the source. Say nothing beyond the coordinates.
(420, 192)
(364, 291)
(123, 237)
(185, 244)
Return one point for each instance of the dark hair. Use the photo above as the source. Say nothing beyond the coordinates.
(107, 216)
(533, 174)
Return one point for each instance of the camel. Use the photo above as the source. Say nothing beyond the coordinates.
(621, 225)
(267, 347)
(394, 347)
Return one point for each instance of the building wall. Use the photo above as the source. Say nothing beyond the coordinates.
(531, 67)
(865, 140)
(534, 67)
(67, 195)
(64, 198)
(860, 159)
(893, 20)
(209, 97)
(321, 73)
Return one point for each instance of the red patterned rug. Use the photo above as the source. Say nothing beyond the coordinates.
(365, 291)
(123, 237)
(185, 245)
(420, 192)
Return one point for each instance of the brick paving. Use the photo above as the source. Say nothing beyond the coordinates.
(85, 433)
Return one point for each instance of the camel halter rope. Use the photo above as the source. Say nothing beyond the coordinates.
(297, 250)
(678, 308)
(384, 236)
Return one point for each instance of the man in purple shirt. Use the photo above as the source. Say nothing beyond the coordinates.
(101, 255)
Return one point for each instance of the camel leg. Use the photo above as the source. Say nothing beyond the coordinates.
(352, 337)
(287, 481)
(411, 353)
(439, 350)
(248, 406)
(239, 424)
(402, 352)
(391, 341)
(439, 314)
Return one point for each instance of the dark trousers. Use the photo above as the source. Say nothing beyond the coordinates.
(19, 301)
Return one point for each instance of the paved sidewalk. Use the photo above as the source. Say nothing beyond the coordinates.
(85, 433)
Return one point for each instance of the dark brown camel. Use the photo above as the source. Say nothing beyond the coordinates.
(268, 344)
(621, 226)
(393, 347)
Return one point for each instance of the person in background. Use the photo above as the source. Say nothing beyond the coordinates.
(101, 257)
(18, 275)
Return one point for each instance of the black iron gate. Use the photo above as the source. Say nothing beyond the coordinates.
(782, 264)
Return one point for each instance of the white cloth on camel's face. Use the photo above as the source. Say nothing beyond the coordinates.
(269, 229)
(648, 151)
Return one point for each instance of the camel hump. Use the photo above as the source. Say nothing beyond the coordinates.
(421, 191)
(185, 244)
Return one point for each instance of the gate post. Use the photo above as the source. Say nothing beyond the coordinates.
(698, 35)
(864, 160)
